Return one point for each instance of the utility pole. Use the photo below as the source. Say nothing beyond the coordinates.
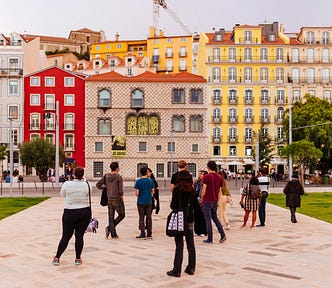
(257, 154)
(56, 144)
(290, 161)
(11, 155)
(171, 131)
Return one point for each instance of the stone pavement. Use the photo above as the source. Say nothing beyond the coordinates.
(281, 254)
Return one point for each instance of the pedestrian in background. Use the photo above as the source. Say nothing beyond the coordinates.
(293, 191)
(76, 215)
(222, 203)
(264, 182)
(199, 224)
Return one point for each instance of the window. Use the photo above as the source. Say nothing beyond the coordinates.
(248, 151)
(248, 115)
(248, 134)
(13, 112)
(216, 151)
(231, 54)
(49, 138)
(104, 99)
(296, 75)
(69, 100)
(296, 95)
(232, 151)
(171, 147)
(311, 75)
(279, 55)
(155, 41)
(49, 81)
(264, 96)
(98, 146)
(69, 82)
(247, 75)
(142, 146)
(280, 114)
(49, 102)
(280, 75)
(137, 98)
(232, 115)
(264, 115)
(264, 76)
(281, 96)
(171, 168)
(35, 121)
(325, 37)
(158, 147)
(327, 95)
(191, 167)
(169, 40)
(216, 74)
(97, 47)
(196, 96)
(216, 134)
(232, 97)
(247, 54)
(13, 87)
(183, 64)
(310, 55)
(104, 126)
(34, 136)
(216, 118)
(34, 81)
(280, 134)
(295, 55)
(216, 54)
(183, 52)
(232, 74)
(169, 52)
(264, 54)
(178, 122)
(248, 96)
(169, 65)
(119, 46)
(178, 96)
(312, 92)
(69, 142)
(160, 170)
(49, 122)
(14, 136)
(183, 39)
(247, 36)
(232, 134)
(98, 170)
(326, 55)
(69, 121)
(196, 123)
(265, 131)
(155, 51)
(194, 148)
(216, 96)
(310, 37)
(34, 99)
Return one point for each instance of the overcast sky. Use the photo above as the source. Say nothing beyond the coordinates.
(132, 18)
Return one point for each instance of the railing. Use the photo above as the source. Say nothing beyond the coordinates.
(249, 100)
(34, 126)
(11, 72)
(265, 119)
(243, 59)
(248, 119)
(216, 139)
(69, 126)
(233, 139)
(232, 119)
(310, 80)
(251, 80)
(248, 139)
(69, 148)
(49, 106)
(216, 119)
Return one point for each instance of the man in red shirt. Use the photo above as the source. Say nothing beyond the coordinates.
(210, 196)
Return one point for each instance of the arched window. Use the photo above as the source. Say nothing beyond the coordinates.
(178, 123)
(216, 96)
(137, 99)
(178, 96)
(280, 114)
(104, 99)
(196, 96)
(104, 126)
(248, 96)
(196, 123)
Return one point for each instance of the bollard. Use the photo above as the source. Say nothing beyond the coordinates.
(43, 188)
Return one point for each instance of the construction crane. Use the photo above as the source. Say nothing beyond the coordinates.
(163, 4)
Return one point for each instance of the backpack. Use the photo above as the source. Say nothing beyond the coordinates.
(254, 191)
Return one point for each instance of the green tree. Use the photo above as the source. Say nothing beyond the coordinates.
(40, 154)
(315, 115)
(303, 153)
(3, 154)
(265, 149)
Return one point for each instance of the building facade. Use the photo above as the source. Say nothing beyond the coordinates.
(42, 91)
(148, 119)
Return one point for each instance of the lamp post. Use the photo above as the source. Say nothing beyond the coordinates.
(11, 155)
(290, 161)
(57, 143)
(171, 148)
(257, 154)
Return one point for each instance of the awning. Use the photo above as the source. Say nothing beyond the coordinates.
(248, 161)
(69, 160)
(235, 163)
(220, 163)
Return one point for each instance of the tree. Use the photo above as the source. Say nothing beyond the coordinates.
(3, 154)
(303, 153)
(265, 149)
(315, 115)
(40, 154)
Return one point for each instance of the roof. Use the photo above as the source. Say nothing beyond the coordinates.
(85, 30)
(79, 75)
(148, 77)
(49, 38)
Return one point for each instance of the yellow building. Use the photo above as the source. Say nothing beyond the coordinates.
(246, 70)
(119, 48)
(171, 54)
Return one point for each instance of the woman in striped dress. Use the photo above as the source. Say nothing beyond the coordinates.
(249, 204)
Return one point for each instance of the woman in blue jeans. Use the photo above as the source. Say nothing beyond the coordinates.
(183, 196)
(76, 215)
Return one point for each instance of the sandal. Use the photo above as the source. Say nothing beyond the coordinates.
(56, 261)
(78, 262)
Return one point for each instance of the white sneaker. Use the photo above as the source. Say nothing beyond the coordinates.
(227, 227)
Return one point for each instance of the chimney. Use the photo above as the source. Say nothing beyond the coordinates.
(117, 36)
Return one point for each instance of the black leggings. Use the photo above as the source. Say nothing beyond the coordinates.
(74, 220)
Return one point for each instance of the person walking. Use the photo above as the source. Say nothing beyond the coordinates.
(222, 203)
(210, 195)
(293, 191)
(144, 192)
(199, 223)
(250, 204)
(182, 165)
(264, 182)
(114, 184)
(183, 197)
(76, 215)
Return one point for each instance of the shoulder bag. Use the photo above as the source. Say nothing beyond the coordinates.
(104, 198)
(93, 224)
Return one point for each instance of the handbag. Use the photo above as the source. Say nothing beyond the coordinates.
(177, 221)
(93, 224)
(104, 198)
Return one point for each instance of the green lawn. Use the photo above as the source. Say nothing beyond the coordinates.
(10, 206)
(317, 205)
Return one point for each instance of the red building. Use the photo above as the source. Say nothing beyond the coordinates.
(42, 90)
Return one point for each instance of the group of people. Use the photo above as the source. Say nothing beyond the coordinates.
(205, 201)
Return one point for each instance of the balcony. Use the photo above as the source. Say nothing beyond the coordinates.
(216, 139)
(232, 139)
(49, 126)
(232, 100)
(216, 100)
(249, 101)
(265, 101)
(35, 126)
(248, 80)
(281, 100)
(248, 119)
(49, 106)
(6, 72)
(232, 119)
(169, 55)
(69, 126)
(216, 119)
(278, 120)
(313, 81)
(252, 59)
(182, 54)
(248, 139)
(69, 148)
(265, 119)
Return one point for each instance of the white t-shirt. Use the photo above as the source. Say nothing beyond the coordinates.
(76, 194)
(264, 182)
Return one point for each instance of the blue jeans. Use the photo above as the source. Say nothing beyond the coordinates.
(210, 212)
(262, 210)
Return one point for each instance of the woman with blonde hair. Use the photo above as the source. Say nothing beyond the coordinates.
(222, 203)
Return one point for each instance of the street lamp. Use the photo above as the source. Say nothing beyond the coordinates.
(11, 155)
(57, 144)
(257, 153)
(290, 161)
(171, 150)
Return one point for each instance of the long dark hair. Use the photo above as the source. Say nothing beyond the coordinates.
(185, 182)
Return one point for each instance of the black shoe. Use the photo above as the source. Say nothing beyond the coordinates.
(173, 273)
(107, 232)
(115, 236)
(142, 236)
(207, 241)
(223, 239)
(294, 221)
(260, 225)
(189, 271)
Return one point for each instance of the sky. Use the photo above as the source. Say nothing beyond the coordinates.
(131, 19)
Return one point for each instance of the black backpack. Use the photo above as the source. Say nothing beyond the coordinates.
(254, 191)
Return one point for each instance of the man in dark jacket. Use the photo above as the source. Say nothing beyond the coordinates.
(114, 183)
(293, 190)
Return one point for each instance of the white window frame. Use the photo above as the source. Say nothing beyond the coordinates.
(69, 100)
(49, 81)
(69, 82)
(34, 81)
(34, 99)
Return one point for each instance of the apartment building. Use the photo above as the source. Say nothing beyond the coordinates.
(246, 70)
(42, 91)
(150, 119)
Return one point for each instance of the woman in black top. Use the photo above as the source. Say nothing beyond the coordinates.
(183, 196)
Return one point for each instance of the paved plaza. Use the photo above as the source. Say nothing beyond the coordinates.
(281, 254)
